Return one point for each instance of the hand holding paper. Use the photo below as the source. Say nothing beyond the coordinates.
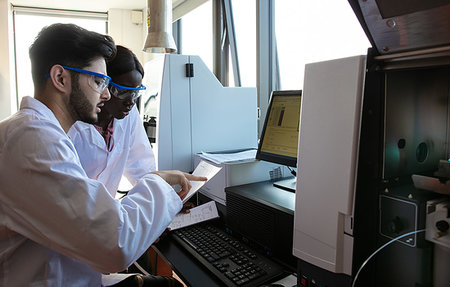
(203, 169)
(197, 214)
(182, 179)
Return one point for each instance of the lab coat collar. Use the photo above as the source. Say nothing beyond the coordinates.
(39, 108)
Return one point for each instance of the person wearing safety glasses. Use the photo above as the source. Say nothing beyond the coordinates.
(117, 143)
(58, 227)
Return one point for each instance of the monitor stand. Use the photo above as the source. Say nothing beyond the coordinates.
(288, 184)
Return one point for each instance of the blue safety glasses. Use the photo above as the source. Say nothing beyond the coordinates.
(122, 92)
(96, 81)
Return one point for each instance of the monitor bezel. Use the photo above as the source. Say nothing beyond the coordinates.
(270, 157)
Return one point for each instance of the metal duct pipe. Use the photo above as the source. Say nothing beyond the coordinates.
(159, 22)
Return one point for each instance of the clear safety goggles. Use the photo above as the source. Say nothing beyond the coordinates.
(96, 81)
(122, 92)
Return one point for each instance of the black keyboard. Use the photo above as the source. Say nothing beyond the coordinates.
(233, 262)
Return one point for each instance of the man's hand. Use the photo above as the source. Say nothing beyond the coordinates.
(187, 207)
(176, 177)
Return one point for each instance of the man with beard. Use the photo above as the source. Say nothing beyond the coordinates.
(57, 226)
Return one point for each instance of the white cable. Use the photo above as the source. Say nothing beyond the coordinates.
(141, 269)
(373, 254)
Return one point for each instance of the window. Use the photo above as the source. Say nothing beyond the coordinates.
(244, 14)
(197, 34)
(27, 24)
(312, 31)
(288, 41)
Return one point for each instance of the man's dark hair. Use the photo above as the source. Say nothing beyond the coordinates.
(69, 45)
(124, 62)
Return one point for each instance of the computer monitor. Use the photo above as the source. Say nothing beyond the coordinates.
(279, 137)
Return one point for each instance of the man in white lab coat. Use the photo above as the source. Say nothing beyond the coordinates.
(57, 226)
(117, 143)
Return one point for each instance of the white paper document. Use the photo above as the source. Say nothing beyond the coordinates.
(289, 281)
(197, 214)
(203, 169)
(113, 278)
(219, 158)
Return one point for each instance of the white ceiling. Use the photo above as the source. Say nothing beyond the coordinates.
(180, 7)
(84, 5)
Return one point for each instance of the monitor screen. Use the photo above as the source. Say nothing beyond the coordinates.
(279, 137)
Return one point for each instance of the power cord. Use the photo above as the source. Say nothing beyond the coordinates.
(144, 272)
(379, 249)
(293, 172)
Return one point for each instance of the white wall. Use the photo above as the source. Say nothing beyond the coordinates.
(7, 85)
(126, 32)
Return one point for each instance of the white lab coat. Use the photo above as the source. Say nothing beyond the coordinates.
(107, 167)
(57, 226)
